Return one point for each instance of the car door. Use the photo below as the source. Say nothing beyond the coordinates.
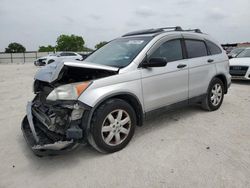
(70, 55)
(201, 66)
(169, 84)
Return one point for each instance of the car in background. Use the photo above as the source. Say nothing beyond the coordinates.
(228, 49)
(85, 55)
(239, 66)
(235, 52)
(42, 61)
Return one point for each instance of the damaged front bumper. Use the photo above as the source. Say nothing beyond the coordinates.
(41, 140)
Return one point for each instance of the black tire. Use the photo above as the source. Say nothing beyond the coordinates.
(207, 103)
(95, 135)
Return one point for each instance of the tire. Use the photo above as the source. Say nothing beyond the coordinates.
(104, 129)
(215, 95)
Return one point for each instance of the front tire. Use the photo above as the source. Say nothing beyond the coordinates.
(112, 126)
(215, 95)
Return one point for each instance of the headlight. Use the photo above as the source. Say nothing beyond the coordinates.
(68, 92)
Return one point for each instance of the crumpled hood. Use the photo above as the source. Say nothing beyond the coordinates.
(50, 72)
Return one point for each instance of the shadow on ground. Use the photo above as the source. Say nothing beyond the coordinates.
(72, 158)
(241, 82)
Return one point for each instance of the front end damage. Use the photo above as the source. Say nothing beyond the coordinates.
(55, 127)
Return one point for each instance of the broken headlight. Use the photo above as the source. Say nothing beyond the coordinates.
(68, 92)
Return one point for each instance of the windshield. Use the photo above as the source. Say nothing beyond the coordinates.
(236, 51)
(244, 53)
(119, 52)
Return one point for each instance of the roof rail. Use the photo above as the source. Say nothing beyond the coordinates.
(160, 30)
(152, 31)
(176, 28)
(194, 30)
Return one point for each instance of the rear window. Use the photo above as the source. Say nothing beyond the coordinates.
(196, 48)
(213, 48)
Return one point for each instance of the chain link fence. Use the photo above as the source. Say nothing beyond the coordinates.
(26, 57)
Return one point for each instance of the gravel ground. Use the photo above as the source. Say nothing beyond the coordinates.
(184, 148)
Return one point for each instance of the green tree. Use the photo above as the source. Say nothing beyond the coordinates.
(48, 48)
(86, 49)
(100, 44)
(70, 43)
(15, 48)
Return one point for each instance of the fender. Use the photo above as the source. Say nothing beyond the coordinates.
(139, 111)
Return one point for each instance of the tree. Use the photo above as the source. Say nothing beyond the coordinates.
(48, 48)
(15, 48)
(100, 44)
(86, 49)
(70, 43)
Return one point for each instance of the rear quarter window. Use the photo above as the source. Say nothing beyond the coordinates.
(213, 48)
(195, 48)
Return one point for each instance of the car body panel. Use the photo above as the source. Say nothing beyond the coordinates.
(51, 72)
(172, 82)
(109, 86)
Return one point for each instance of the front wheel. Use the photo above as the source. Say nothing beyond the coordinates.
(215, 95)
(112, 126)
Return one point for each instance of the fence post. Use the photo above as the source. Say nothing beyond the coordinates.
(11, 58)
(23, 57)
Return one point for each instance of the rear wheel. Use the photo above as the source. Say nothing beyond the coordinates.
(215, 95)
(112, 126)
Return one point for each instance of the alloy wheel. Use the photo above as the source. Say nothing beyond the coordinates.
(216, 94)
(116, 127)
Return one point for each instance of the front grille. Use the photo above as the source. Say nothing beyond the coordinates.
(238, 70)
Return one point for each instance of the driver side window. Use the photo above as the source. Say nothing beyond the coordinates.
(171, 50)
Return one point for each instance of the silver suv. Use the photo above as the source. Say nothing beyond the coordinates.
(101, 100)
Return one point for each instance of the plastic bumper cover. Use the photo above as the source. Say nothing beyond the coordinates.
(39, 141)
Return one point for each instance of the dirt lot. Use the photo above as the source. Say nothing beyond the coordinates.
(184, 148)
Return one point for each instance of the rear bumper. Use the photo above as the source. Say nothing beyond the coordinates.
(39, 140)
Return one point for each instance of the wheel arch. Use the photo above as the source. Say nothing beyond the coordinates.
(222, 77)
(126, 96)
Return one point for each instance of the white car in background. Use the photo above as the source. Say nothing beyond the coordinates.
(239, 66)
(57, 56)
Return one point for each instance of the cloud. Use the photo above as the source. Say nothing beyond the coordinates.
(185, 2)
(69, 19)
(145, 12)
(216, 14)
(95, 17)
(104, 20)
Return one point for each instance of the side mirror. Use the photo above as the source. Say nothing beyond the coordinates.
(155, 62)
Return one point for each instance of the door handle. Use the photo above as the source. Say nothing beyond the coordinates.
(210, 60)
(180, 66)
